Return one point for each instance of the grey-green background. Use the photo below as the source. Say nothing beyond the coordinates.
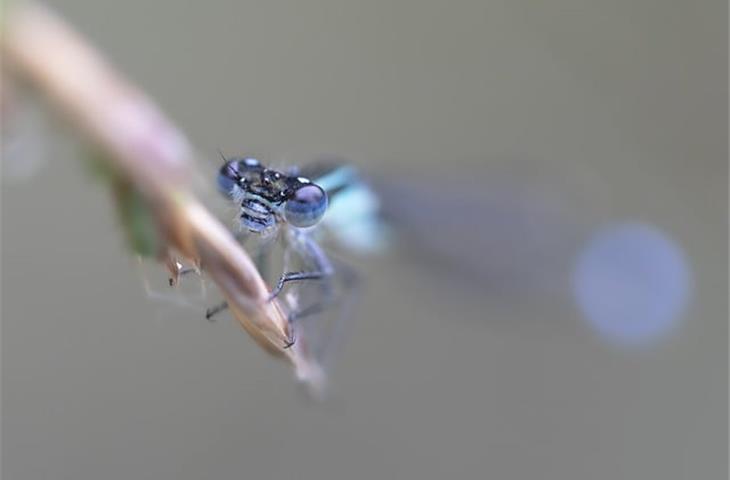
(623, 101)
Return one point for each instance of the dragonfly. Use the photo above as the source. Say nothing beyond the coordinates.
(298, 208)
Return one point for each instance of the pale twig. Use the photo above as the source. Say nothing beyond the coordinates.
(142, 144)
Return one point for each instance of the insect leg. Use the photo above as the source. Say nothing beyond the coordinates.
(209, 313)
(311, 254)
(296, 276)
(324, 334)
(293, 316)
(184, 271)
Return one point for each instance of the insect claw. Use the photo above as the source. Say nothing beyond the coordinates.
(209, 315)
(290, 342)
(214, 310)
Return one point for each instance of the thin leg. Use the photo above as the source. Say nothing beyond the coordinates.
(295, 276)
(313, 309)
(292, 336)
(341, 302)
(311, 254)
(180, 273)
(209, 313)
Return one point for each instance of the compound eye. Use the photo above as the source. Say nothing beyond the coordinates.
(232, 172)
(306, 206)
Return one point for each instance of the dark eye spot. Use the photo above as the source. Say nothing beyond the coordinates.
(306, 206)
(228, 177)
(231, 174)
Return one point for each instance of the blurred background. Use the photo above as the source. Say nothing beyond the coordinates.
(555, 304)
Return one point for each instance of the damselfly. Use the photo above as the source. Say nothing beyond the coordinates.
(295, 209)
(514, 238)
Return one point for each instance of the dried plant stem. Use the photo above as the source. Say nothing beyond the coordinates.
(148, 149)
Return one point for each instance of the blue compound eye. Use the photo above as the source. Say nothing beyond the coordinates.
(232, 174)
(306, 206)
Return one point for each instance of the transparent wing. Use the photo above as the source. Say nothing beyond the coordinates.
(506, 234)
(529, 239)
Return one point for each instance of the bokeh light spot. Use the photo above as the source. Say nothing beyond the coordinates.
(632, 283)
